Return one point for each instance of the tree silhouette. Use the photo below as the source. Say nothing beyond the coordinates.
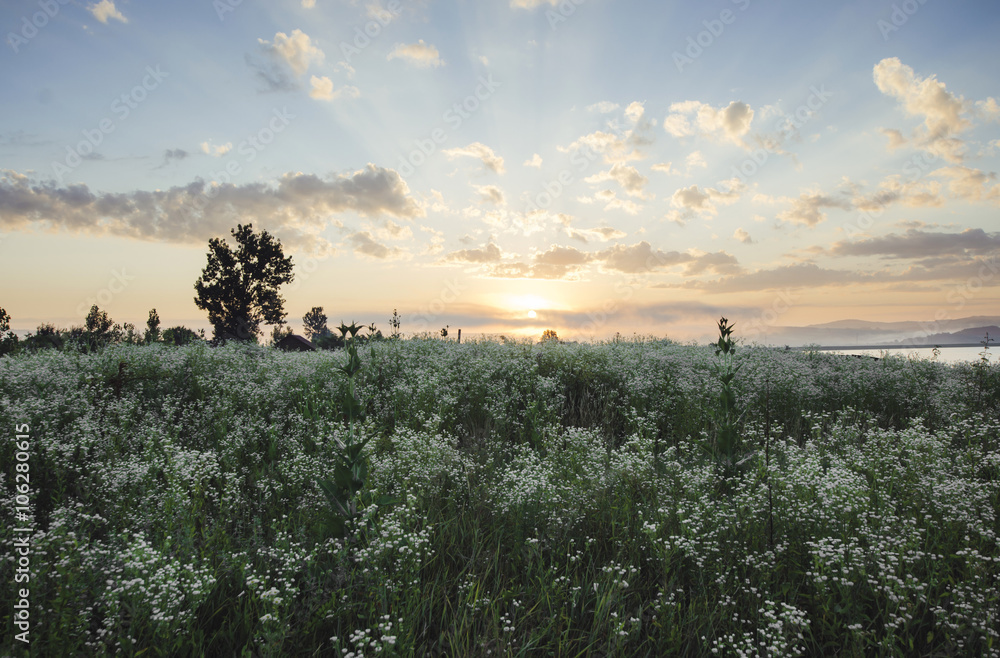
(239, 289)
(152, 327)
(314, 323)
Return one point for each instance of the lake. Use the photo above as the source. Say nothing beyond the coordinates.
(948, 354)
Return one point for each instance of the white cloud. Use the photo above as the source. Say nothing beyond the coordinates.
(532, 4)
(743, 236)
(490, 194)
(625, 175)
(534, 161)
(896, 138)
(297, 50)
(614, 147)
(634, 111)
(730, 123)
(971, 184)
(480, 151)
(663, 168)
(941, 110)
(603, 107)
(695, 159)
(808, 208)
(216, 150)
(322, 89)
(419, 54)
(702, 201)
(105, 10)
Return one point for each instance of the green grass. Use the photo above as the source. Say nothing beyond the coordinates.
(558, 501)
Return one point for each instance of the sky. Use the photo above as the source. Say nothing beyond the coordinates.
(506, 166)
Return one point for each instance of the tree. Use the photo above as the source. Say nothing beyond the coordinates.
(101, 329)
(8, 339)
(550, 334)
(314, 323)
(279, 333)
(98, 322)
(179, 336)
(239, 289)
(152, 327)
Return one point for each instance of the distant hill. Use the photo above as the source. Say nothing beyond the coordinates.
(974, 335)
(862, 332)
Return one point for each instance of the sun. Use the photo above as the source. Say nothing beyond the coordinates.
(532, 314)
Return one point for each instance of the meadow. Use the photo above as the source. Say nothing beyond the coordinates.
(629, 498)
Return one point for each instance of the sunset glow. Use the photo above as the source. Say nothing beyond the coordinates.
(591, 167)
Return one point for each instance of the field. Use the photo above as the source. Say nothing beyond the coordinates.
(550, 499)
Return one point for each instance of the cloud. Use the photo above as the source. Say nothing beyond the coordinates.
(729, 123)
(603, 107)
(634, 111)
(613, 147)
(612, 202)
(663, 168)
(296, 206)
(490, 194)
(531, 4)
(896, 138)
(170, 155)
(800, 275)
(915, 194)
(915, 243)
(642, 257)
(308, 4)
(214, 150)
(941, 110)
(419, 54)
(297, 50)
(322, 89)
(284, 60)
(534, 161)
(694, 199)
(601, 234)
(628, 177)
(970, 184)
(488, 253)
(695, 159)
(808, 208)
(478, 150)
(622, 144)
(366, 245)
(105, 10)
(743, 236)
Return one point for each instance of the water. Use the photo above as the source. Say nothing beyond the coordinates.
(948, 354)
